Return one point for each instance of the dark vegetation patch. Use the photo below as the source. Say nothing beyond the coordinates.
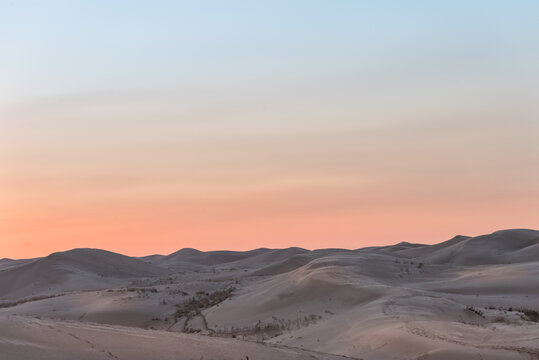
(525, 313)
(7, 304)
(476, 311)
(266, 330)
(529, 314)
(202, 300)
(142, 290)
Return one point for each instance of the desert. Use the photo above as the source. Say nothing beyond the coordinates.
(269, 180)
(467, 298)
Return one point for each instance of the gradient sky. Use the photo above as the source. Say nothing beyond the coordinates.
(146, 126)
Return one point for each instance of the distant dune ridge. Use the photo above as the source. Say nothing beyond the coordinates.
(467, 297)
(78, 269)
(501, 247)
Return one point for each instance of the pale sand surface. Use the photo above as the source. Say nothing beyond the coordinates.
(39, 339)
(467, 298)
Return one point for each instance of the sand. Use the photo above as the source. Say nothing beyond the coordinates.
(466, 298)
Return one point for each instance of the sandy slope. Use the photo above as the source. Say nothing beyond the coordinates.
(501, 247)
(466, 298)
(30, 338)
(79, 269)
(209, 257)
(346, 305)
(10, 263)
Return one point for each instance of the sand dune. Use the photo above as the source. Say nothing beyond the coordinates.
(501, 247)
(10, 263)
(79, 269)
(466, 298)
(278, 261)
(29, 339)
(210, 257)
(284, 266)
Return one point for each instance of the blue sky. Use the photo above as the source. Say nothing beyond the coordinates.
(59, 47)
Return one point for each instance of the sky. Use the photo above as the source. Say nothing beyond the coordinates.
(144, 127)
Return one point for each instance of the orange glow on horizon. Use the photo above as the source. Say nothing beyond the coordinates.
(149, 228)
(311, 191)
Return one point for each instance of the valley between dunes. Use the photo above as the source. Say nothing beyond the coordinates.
(466, 298)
